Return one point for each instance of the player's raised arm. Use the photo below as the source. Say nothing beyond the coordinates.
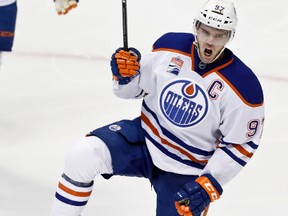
(64, 6)
(125, 67)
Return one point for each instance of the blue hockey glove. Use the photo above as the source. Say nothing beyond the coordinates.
(125, 65)
(196, 196)
(64, 6)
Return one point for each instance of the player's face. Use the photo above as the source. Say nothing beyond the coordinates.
(210, 41)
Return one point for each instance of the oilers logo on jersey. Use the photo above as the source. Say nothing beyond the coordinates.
(184, 103)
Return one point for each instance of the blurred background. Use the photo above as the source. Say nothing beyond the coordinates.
(56, 86)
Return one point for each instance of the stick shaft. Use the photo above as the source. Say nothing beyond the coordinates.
(124, 20)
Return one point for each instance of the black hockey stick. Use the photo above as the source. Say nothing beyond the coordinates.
(124, 20)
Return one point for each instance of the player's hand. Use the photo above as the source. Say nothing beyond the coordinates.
(125, 65)
(64, 6)
(196, 196)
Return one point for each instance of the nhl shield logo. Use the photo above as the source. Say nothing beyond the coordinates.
(184, 103)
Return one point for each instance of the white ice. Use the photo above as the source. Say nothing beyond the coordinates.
(56, 86)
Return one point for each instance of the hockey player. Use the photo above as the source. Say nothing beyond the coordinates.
(64, 6)
(201, 121)
(8, 14)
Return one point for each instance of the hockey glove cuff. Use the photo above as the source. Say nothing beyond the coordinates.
(64, 6)
(125, 65)
(197, 195)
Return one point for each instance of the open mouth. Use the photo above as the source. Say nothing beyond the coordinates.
(207, 52)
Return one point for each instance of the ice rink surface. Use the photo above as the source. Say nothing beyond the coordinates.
(56, 86)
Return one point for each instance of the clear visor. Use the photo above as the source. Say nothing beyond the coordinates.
(212, 36)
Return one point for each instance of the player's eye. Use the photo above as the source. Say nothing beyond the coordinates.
(220, 36)
(205, 32)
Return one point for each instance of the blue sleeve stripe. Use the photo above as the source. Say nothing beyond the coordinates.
(68, 201)
(252, 145)
(234, 157)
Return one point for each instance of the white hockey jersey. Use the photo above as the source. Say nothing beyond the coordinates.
(197, 118)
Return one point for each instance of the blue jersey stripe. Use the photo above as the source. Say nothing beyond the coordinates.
(176, 139)
(170, 154)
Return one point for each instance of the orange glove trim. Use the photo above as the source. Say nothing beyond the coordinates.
(127, 72)
(208, 187)
(183, 210)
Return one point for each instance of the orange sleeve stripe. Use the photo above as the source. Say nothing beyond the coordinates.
(166, 142)
(180, 52)
(243, 151)
(72, 192)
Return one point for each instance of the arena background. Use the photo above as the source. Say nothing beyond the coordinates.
(56, 86)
